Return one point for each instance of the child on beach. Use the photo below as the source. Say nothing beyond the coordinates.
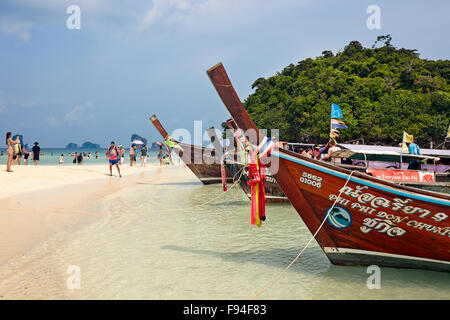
(26, 155)
(113, 155)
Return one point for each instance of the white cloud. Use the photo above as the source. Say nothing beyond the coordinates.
(77, 116)
(172, 11)
(16, 27)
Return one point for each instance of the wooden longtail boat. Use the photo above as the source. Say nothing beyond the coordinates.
(374, 222)
(273, 191)
(202, 161)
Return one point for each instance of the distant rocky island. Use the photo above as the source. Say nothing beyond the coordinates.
(86, 145)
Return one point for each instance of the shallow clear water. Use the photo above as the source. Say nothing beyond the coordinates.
(184, 240)
(50, 156)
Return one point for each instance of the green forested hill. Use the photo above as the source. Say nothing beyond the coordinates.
(381, 91)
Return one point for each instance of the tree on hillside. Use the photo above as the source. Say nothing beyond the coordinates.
(382, 91)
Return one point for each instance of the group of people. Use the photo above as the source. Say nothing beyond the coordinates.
(143, 155)
(78, 157)
(15, 152)
(322, 153)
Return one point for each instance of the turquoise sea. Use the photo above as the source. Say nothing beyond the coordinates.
(50, 156)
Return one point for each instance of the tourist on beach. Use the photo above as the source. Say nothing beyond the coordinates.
(36, 152)
(26, 155)
(160, 156)
(96, 154)
(114, 156)
(144, 156)
(10, 151)
(132, 154)
(80, 158)
(17, 153)
(415, 150)
(75, 155)
(122, 154)
(61, 159)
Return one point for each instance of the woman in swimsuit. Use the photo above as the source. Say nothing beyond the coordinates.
(10, 151)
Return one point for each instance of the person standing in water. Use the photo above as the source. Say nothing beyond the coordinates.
(10, 151)
(114, 156)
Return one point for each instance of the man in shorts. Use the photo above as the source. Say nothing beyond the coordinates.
(114, 158)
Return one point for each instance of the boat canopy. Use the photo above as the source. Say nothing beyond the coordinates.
(376, 155)
(363, 147)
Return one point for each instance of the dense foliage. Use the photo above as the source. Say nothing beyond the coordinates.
(381, 91)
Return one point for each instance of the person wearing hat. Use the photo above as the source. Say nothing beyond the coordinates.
(36, 151)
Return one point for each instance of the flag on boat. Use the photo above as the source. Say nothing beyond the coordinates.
(335, 125)
(407, 138)
(336, 112)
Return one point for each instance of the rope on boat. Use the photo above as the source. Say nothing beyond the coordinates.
(282, 273)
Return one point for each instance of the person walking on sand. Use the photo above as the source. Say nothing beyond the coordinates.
(61, 159)
(114, 156)
(36, 151)
(10, 151)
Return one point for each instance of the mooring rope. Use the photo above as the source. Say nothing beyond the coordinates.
(276, 279)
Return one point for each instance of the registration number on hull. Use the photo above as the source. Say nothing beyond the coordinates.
(311, 179)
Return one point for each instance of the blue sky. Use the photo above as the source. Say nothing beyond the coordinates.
(133, 58)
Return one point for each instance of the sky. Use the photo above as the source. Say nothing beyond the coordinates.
(131, 59)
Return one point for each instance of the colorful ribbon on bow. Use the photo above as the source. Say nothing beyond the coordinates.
(257, 181)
